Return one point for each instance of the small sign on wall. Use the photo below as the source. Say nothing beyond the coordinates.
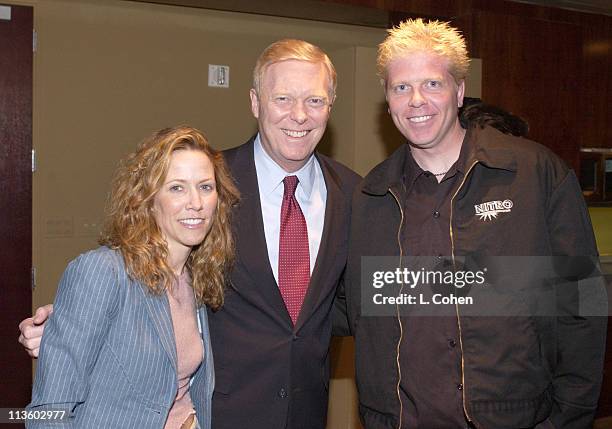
(5, 13)
(218, 76)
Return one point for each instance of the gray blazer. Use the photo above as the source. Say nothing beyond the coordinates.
(108, 354)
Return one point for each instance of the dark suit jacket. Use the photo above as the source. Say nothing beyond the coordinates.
(270, 374)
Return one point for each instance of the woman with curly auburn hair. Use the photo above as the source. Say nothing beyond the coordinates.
(131, 228)
(128, 342)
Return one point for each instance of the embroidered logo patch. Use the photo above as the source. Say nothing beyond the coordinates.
(490, 209)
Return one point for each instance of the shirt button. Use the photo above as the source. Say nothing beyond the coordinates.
(436, 214)
(282, 393)
(460, 387)
(452, 343)
(295, 337)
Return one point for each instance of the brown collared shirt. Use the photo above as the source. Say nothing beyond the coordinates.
(430, 354)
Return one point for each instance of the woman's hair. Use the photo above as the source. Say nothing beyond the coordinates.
(131, 228)
(476, 113)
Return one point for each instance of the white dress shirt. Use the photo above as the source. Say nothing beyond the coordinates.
(311, 195)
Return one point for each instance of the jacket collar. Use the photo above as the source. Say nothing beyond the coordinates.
(489, 147)
(387, 174)
(250, 238)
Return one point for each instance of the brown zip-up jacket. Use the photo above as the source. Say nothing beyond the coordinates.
(520, 371)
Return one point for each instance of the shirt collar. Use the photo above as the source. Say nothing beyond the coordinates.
(412, 170)
(270, 175)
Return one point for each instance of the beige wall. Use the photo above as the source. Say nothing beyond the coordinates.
(108, 72)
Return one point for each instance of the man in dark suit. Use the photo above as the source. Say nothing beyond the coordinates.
(272, 362)
(271, 338)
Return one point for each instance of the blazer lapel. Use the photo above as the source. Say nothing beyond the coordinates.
(335, 219)
(159, 312)
(251, 248)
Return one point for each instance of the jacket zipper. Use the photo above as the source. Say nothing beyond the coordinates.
(399, 320)
(464, 392)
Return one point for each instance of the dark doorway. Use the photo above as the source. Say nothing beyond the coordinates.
(16, 27)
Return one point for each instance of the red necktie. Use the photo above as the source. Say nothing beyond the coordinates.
(293, 254)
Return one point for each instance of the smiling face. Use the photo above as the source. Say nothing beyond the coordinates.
(185, 205)
(423, 100)
(292, 109)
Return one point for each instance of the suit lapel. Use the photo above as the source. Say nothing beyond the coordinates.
(335, 219)
(159, 312)
(251, 248)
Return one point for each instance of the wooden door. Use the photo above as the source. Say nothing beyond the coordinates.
(16, 27)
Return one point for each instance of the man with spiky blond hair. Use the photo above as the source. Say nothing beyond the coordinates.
(436, 356)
